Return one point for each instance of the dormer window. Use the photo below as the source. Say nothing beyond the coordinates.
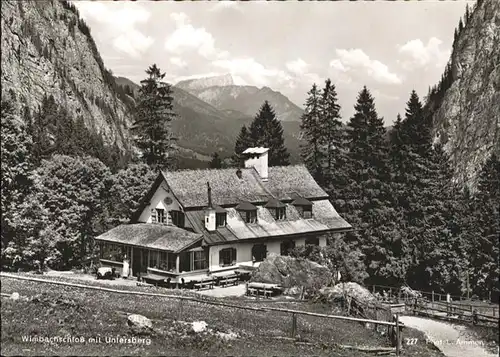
(220, 216)
(276, 208)
(304, 207)
(248, 212)
(221, 219)
(158, 215)
(280, 213)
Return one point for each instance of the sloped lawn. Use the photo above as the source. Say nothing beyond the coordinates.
(76, 312)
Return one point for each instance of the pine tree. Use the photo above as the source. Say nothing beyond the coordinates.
(153, 116)
(216, 162)
(310, 135)
(266, 131)
(369, 195)
(332, 140)
(243, 142)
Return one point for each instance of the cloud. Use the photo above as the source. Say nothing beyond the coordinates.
(297, 67)
(222, 5)
(120, 23)
(251, 71)
(187, 38)
(421, 55)
(177, 61)
(351, 60)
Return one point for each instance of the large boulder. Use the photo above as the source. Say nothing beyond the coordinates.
(292, 273)
(139, 324)
(353, 290)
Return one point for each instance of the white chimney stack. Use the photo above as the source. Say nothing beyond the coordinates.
(210, 221)
(258, 158)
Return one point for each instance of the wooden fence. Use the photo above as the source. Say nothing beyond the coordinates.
(458, 303)
(395, 327)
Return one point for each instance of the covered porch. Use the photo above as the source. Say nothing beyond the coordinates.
(152, 248)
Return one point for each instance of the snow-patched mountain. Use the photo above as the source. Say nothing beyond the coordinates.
(197, 84)
(244, 99)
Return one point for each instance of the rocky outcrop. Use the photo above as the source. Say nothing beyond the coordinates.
(467, 117)
(47, 50)
(292, 273)
(206, 82)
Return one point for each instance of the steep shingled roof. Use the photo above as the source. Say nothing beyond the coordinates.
(285, 183)
(189, 186)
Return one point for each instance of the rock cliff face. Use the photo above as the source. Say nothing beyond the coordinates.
(48, 50)
(467, 116)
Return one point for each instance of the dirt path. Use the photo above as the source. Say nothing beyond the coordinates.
(452, 340)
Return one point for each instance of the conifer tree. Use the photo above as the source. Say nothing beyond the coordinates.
(216, 162)
(153, 116)
(310, 135)
(243, 142)
(369, 194)
(332, 140)
(266, 131)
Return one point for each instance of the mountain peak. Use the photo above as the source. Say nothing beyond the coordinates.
(206, 82)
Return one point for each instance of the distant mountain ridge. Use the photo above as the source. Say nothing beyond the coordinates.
(225, 95)
(196, 84)
(204, 129)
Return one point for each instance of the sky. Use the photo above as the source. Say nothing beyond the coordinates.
(392, 47)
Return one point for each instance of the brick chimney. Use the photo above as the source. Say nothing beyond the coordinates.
(210, 223)
(258, 158)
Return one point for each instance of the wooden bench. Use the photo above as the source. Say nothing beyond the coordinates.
(204, 284)
(229, 280)
(266, 290)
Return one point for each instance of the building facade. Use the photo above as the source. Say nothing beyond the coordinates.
(202, 222)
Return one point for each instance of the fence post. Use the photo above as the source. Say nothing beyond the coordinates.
(432, 295)
(181, 302)
(294, 325)
(398, 336)
(373, 289)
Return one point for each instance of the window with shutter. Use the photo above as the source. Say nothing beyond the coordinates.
(227, 256)
(153, 215)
